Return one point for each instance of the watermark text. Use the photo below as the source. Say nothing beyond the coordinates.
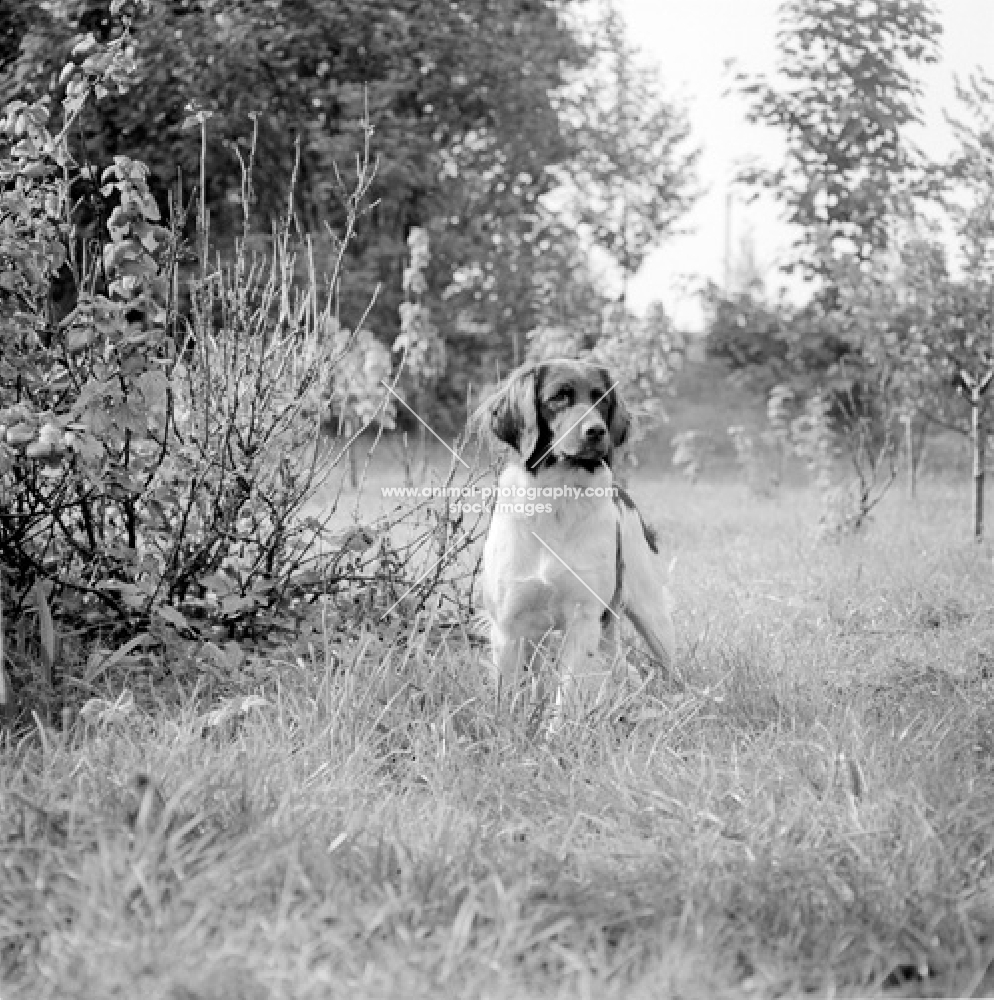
(527, 500)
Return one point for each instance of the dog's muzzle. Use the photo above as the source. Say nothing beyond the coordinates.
(594, 442)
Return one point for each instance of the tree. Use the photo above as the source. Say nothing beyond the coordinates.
(971, 173)
(634, 174)
(951, 362)
(844, 95)
(767, 342)
(461, 98)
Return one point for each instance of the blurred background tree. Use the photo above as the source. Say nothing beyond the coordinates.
(476, 118)
(634, 170)
(897, 249)
(844, 94)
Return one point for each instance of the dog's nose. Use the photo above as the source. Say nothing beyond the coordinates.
(594, 433)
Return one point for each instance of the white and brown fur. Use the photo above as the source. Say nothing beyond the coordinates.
(565, 421)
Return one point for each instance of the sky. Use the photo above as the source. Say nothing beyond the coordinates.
(690, 42)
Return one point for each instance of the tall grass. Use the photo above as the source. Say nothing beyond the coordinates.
(813, 814)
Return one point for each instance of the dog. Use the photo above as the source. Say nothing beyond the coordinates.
(567, 548)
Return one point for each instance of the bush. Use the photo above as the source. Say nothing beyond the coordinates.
(159, 431)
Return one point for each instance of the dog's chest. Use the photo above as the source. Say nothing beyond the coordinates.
(562, 559)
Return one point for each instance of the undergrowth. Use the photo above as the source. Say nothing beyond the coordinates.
(811, 814)
(162, 408)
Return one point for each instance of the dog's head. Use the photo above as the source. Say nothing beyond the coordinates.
(561, 411)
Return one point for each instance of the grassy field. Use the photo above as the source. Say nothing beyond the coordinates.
(812, 814)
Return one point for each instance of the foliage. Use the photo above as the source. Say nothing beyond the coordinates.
(144, 466)
(424, 353)
(843, 97)
(747, 456)
(480, 122)
(769, 343)
(778, 404)
(644, 355)
(691, 450)
(422, 349)
(462, 100)
(971, 171)
(860, 355)
(155, 468)
(635, 169)
(885, 349)
(362, 366)
(761, 455)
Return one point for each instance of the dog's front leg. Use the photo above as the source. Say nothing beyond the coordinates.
(508, 662)
(584, 673)
(610, 642)
(513, 661)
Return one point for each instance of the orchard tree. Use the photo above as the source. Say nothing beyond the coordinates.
(971, 173)
(635, 167)
(843, 96)
(951, 361)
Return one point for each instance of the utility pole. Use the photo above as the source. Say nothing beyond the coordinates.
(727, 265)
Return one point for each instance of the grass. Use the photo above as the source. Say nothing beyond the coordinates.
(813, 814)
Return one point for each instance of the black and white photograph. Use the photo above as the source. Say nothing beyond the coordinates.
(492, 499)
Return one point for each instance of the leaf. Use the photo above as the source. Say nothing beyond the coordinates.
(232, 708)
(131, 595)
(173, 617)
(79, 338)
(87, 447)
(97, 664)
(21, 434)
(154, 385)
(119, 222)
(85, 46)
(356, 539)
(234, 604)
(105, 713)
(219, 583)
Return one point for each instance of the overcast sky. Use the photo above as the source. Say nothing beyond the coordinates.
(691, 42)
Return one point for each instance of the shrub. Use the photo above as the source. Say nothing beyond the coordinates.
(159, 434)
(691, 450)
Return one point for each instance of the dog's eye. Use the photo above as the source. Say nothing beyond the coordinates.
(561, 397)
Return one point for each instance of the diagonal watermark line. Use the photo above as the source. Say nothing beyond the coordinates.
(430, 569)
(579, 419)
(423, 424)
(570, 568)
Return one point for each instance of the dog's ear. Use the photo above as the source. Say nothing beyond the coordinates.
(514, 414)
(619, 420)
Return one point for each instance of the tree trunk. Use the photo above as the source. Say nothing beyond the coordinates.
(978, 468)
(909, 440)
(976, 387)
